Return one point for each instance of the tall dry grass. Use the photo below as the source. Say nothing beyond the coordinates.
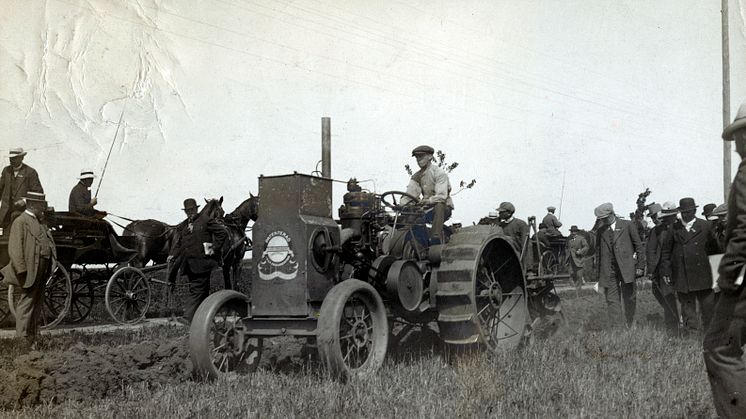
(582, 371)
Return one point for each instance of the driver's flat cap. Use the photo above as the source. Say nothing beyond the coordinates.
(423, 149)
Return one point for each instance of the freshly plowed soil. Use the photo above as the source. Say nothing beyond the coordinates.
(92, 372)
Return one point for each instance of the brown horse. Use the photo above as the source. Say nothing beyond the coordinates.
(237, 244)
(154, 238)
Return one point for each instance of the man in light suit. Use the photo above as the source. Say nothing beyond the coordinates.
(32, 252)
(619, 252)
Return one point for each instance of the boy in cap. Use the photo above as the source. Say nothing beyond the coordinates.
(31, 251)
(577, 247)
(515, 228)
(619, 253)
(686, 266)
(15, 181)
(433, 189)
(552, 223)
(724, 340)
(664, 217)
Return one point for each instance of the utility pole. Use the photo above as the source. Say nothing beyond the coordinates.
(726, 98)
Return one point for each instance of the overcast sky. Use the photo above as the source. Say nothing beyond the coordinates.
(611, 96)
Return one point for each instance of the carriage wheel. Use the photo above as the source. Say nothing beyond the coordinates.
(353, 330)
(82, 296)
(57, 297)
(218, 343)
(128, 295)
(548, 264)
(481, 295)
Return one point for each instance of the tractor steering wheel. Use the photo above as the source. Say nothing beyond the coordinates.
(394, 204)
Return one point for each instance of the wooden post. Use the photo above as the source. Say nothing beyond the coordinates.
(326, 147)
(726, 98)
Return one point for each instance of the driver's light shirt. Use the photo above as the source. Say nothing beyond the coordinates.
(432, 185)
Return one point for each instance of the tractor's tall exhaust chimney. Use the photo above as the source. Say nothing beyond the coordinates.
(326, 147)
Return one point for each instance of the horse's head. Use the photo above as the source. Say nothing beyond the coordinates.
(213, 209)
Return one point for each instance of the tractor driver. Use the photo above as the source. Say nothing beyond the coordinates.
(433, 189)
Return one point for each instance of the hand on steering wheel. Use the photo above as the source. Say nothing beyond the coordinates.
(394, 204)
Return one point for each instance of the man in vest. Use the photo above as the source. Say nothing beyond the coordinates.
(433, 189)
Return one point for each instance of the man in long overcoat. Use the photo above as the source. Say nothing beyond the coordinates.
(577, 248)
(192, 254)
(723, 343)
(32, 252)
(15, 181)
(662, 291)
(620, 261)
(685, 265)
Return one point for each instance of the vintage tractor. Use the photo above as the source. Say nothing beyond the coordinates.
(341, 283)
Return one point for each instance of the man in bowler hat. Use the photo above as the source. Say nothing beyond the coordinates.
(620, 261)
(32, 252)
(686, 266)
(724, 340)
(196, 252)
(664, 217)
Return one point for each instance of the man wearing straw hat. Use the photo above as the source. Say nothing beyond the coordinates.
(15, 181)
(80, 201)
(724, 340)
(664, 217)
(32, 252)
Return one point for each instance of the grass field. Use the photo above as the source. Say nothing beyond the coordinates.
(579, 372)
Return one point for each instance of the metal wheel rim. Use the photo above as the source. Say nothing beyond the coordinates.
(230, 349)
(356, 328)
(128, 296)
(497, 299)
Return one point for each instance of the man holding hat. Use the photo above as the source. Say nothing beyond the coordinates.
(686, 266)
(15, 181)
(724, 340)
(433, 189)
(32, 252)
(80, 201)
(193, 257)
(577, 247)
(515, 228)
(619, 253)
(552, 223)
(664, 217)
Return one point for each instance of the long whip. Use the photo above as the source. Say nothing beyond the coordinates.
(562, 194)
(114, 140)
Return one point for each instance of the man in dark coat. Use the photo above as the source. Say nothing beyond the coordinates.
(515, 228)
(552, 223)
(31, 251)
(80, 201)
(196, 252)
(577, 248)
(662, 291)
(723, 343)
(15, 181)
(620, 261)
(686, 266)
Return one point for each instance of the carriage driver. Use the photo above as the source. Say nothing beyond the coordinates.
(80, 201)
(431, 185)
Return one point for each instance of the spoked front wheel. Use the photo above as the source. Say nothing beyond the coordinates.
(218, 342)
(353, 330)
(128, 295)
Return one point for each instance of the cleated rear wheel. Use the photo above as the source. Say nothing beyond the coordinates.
(481, 292)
